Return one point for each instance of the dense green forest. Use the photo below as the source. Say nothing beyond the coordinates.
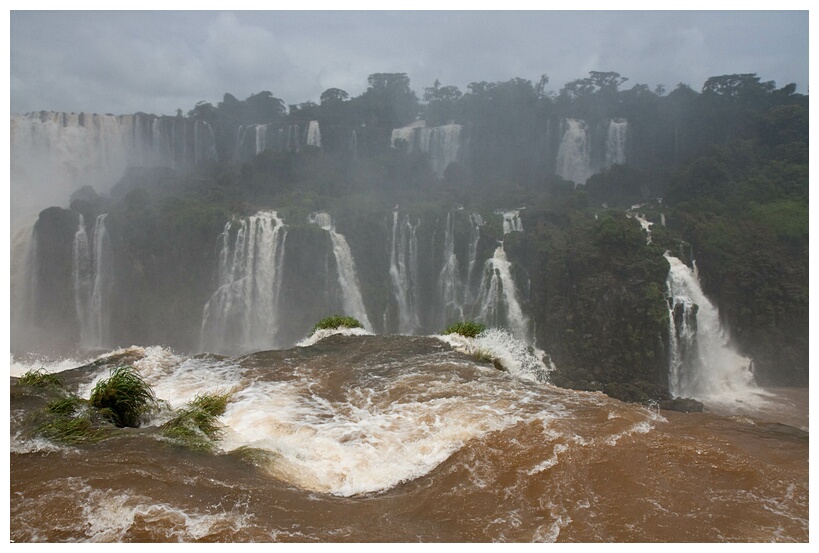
(722, 173)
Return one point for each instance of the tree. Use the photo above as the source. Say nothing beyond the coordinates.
(333, 96)
(740, 86)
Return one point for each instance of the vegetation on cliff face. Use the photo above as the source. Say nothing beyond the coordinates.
(726, 167)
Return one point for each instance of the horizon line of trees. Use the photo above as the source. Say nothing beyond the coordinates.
(509, 121)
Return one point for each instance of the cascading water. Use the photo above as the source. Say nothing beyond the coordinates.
(443, 143)
(476, 222)
(702, 364)
(450, 286)
(98, 313)
(616, 142)
(82, 274)
(511, 220)
(574, 153)
(404, 273)
(345, 265)
(92, 273)
(54, 153)
(243, 313)
(314, 134)
(498, 303)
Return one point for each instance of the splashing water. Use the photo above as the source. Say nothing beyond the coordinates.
(243, 313)
(347, 278)
(702, 363)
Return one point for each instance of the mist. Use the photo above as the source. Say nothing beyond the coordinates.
(444, 250)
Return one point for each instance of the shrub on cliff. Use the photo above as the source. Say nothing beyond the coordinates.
(469, 329)
(124, 397)
(336, 321)
(195, 426)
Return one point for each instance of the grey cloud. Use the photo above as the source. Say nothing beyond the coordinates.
(121, 62)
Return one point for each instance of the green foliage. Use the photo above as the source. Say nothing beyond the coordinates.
(470, 329)
(40, 378)
(70, 420)
(195, 426)
(336, 321)
(124, 398)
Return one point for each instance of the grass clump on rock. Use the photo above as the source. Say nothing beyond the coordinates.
(70, 420)
(123, 398)
(337, 321)
(469, 329)
(195, 426)
(40, 378)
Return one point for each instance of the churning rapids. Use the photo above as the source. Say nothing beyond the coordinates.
(363, 438)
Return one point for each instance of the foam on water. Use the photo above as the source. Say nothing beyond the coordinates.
(360, 444)
(519, 359)
(323, 333)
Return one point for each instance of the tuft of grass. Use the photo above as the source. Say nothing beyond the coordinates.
(40, 378)
(124, 398)
(70, 420)
(336, 321)
(260, 458)
(195, 426)
(470, 329)
(215, 404)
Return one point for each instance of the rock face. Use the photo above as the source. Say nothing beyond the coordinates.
(682, 404)
(52, 309)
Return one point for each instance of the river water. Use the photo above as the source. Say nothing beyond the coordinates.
(361, 438)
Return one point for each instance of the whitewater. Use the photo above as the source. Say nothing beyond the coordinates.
(356, 437)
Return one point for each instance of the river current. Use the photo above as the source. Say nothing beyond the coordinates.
(362, 438)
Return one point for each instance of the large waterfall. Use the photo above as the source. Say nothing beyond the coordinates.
(243, 314)
(450, 285)
(253, 139)
(313, 134)
(574, 153)
(55, 153)
(702, 364)
(582, 152)
(443, 144)
(345, 267)
(498, 303)
(616, 142)
(404, 273)
(93, 276)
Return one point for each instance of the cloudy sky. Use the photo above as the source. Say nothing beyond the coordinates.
(124, 62)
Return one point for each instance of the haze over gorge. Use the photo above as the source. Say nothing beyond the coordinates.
(638, 258)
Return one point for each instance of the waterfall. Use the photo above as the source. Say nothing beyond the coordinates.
(574, 153)
(511, 220)
(476, 222)
(82, 276)
(98, 312)
(55, 153)
(644, 223)
(450, 287)
(93, 278)
(616, 142)
(702, 365)
(314, 134)
(404, 273)
(243, 313)
(497, 303)
(349, 288)
(443, 143)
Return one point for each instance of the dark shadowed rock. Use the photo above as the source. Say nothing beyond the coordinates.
(682, 404)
